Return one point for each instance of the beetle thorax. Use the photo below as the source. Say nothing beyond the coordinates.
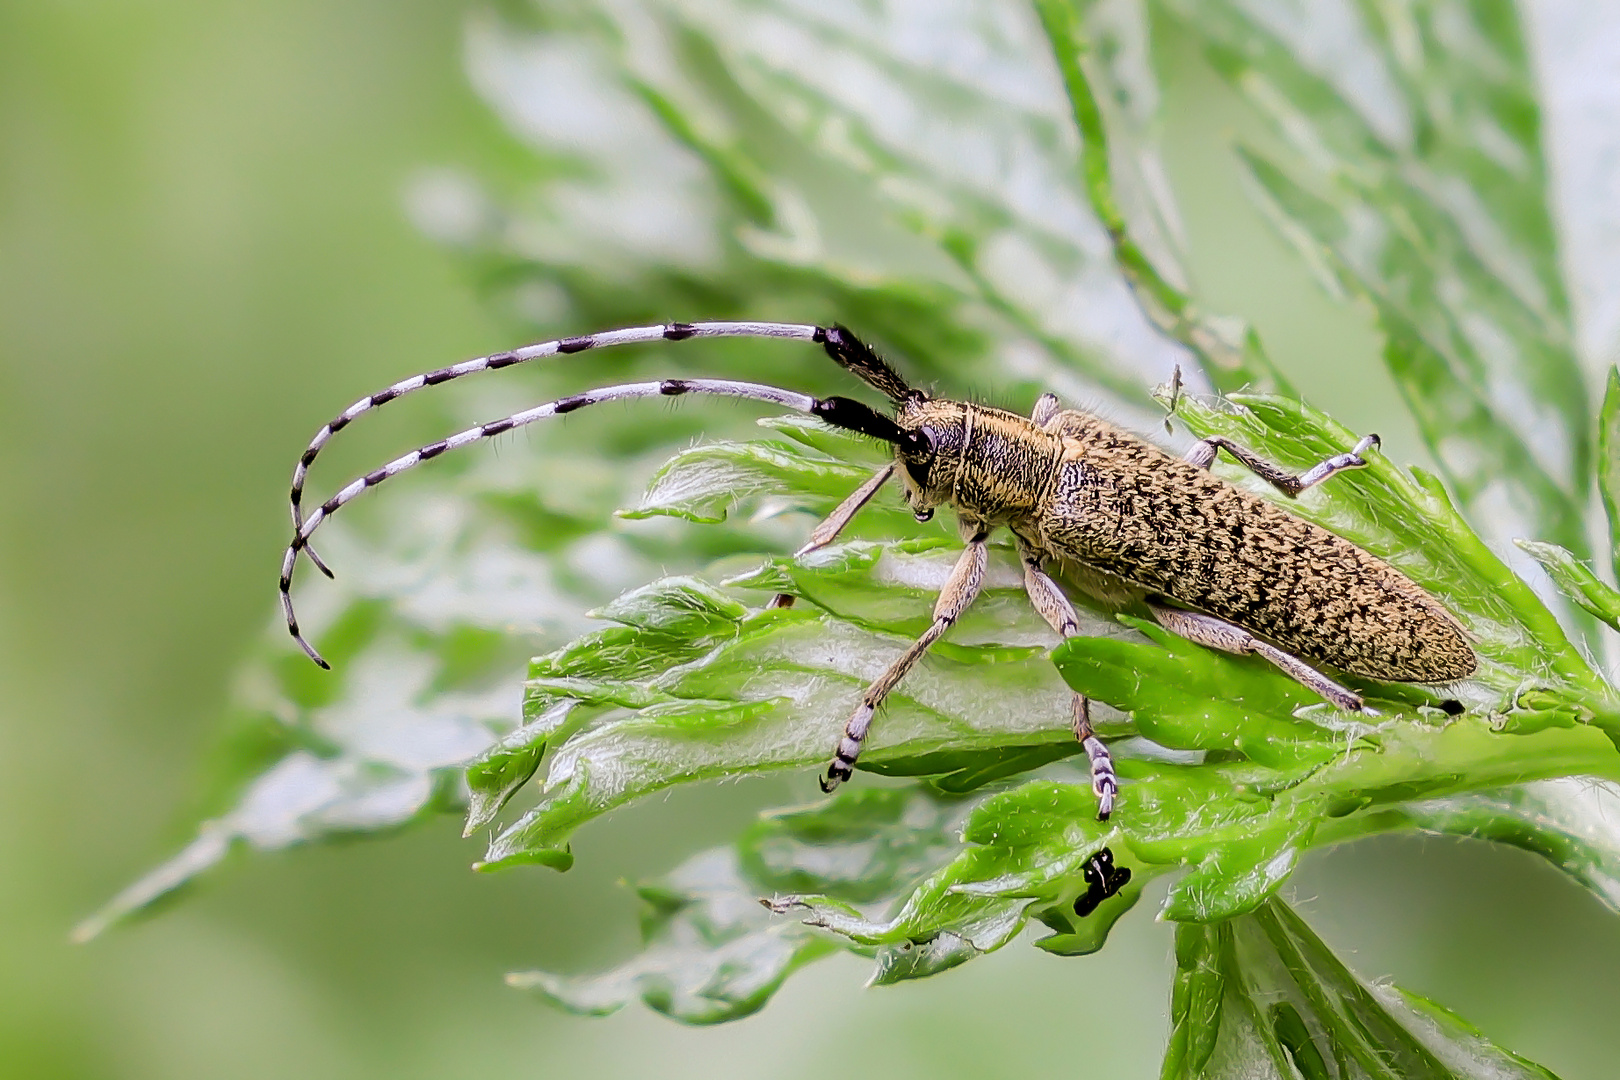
(993, 466)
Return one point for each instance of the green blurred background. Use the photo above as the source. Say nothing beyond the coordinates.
(202, 255)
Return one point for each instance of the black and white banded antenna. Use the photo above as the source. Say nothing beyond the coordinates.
(844, 348)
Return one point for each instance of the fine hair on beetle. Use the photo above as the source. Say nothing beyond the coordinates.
(1210, 562)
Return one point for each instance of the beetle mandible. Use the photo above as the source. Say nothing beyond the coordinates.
(1213, 563)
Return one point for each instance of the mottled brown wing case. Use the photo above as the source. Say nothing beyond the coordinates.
(1126, 507)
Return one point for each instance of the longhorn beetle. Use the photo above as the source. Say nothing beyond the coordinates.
(1212, 563)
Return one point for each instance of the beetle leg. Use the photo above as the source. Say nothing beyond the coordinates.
(960, 590)
(1219, 634)
(1055, 608)
(834, 523)
(1203, 453)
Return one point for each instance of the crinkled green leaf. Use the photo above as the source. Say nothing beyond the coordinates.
(1240, 825)
(1608, 462)
(861, 847)
(688, 692)
(1572, 823)
(765, 690)
(1024, 846)
(497, 774)
(1074, 934)
(1238, 877)
(1576, 580)
(1186, 697)
(1228, 350)
(702, 483)
(710, 953)
(1417, 180)
(1262, 998)
(983, 174)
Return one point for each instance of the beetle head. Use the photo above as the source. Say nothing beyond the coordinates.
(930, 454)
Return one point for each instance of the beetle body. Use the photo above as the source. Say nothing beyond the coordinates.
(1080, 489)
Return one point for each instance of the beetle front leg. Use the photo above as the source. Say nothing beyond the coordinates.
(966, 579)
(834, 523)
(1202, 455)
(1219, 634)
(1055, 608)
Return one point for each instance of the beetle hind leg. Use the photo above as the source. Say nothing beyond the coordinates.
(1202, 455)
(1215, 633)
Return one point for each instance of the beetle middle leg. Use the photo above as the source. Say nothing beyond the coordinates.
(960, 590)
(1203, 453)
(1219, 634)
(833, 524)
(1055, 608)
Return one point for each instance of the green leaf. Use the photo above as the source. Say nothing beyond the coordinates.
(1571, 823)
(1023, 847)
(702, 483)
(1419, 183)
(753, 692)
(497, 774)
(1238, 877)
(1240, 826)
(1186, 697)
(1576, 580)
(1262, 997)
(1608, 462)
(1196, 999)
(862, 847)
(710, 953)
(982, 174)
(1228, 350)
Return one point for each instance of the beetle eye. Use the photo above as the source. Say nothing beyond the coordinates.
(917, 445)
(917, 452)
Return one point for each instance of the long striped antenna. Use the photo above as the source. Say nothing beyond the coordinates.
(838, 411)
(844, 347)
